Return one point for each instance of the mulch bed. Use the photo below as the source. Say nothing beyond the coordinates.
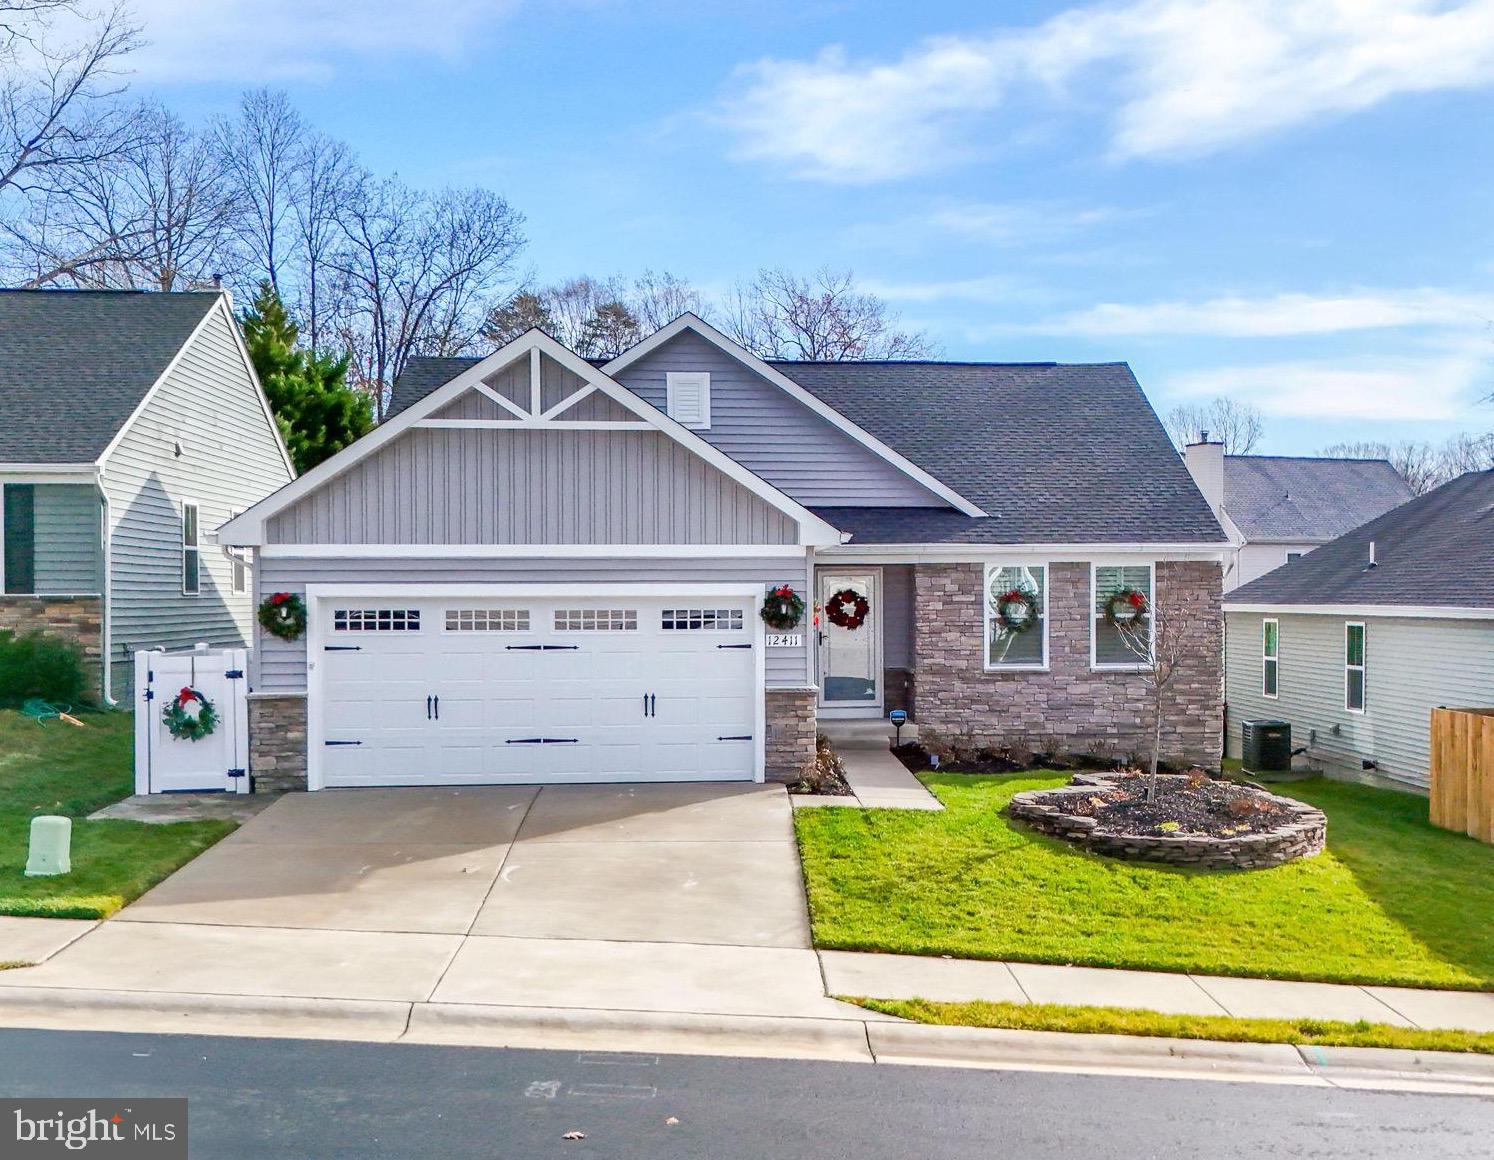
(1198, 805)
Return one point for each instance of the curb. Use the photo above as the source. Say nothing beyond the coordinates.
(264, 1017)
(757, 1036)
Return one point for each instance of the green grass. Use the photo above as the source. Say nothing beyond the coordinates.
(58, 769)
(1392, 901)
(1124, 1021)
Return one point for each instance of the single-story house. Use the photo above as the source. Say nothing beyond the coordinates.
(1356, 643)
(131, 426)
(541, 569)
(1278, 508)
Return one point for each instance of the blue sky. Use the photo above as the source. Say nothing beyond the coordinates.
(1287, 201)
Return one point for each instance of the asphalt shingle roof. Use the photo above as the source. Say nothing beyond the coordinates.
(1280, 498)
(74, 365)
(1438, 549)
(1055, 453)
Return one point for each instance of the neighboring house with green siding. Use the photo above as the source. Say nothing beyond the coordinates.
(131, 426)
(1358, 642)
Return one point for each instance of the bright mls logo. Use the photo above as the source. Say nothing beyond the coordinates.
(120, 1129)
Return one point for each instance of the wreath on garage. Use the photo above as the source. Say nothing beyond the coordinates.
(1124, 607)
(847, 609)
(1017, 610)
(283, 614)
(783, 608)
(189, 716)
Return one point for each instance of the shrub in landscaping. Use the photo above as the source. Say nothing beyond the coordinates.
(39, 665)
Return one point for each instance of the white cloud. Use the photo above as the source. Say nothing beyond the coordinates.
(1185, 77)
(1280, 315)
(1376, 390)
(278, 40)
(988, 289)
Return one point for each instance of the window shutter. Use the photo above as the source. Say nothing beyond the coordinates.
(688, 398)
(20, 538)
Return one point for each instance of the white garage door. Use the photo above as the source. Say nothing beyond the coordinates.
(479, 691)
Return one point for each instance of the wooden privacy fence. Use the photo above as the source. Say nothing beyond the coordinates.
(1463, 771)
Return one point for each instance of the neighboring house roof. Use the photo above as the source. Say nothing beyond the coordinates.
(1435, 551)
(1286, 499)
(1054, 453)
(75, 364)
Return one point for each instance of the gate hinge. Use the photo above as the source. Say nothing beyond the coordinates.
(237, 772)
(235, 674)
(150, 694)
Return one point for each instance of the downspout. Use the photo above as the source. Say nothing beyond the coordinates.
(106, 538)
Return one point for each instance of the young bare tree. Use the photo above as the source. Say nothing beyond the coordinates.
(822, 317)
(1157, 636)
(414, 272)
(1237, 425)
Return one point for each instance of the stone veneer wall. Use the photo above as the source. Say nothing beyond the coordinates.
(1070, 708)
(277, 741)
(79, 618)
(792, 731)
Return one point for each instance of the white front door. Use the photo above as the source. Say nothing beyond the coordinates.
(590, 688)
(850, 658)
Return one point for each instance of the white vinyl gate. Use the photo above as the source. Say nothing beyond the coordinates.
(219, 761)
(415, 688)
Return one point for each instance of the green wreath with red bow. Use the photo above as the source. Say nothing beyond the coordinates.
(189, 716)
(782, 609)
(847, 609)
(1124, 607)
(1017, 609)
(283, 614)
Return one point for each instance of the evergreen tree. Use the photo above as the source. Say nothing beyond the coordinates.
(318, 413)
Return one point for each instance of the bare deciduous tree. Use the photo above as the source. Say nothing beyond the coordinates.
(327, 175)
(657, 299)
(1418, 463)
(820, 317)
(1237, 425)
(261, 151)
(1158, 637)
(414, 273)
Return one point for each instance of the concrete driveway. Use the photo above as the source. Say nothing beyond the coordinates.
(655, 898)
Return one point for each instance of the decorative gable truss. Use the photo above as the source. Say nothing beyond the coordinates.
(532, 384)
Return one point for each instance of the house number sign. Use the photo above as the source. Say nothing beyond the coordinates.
(785, 639)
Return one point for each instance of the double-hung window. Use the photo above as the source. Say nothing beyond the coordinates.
(1017, 616)
(1270, 656)
(1354, 667)
(1112, 645)
(191, 551)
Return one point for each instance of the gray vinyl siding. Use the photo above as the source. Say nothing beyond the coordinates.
(280, 666)
(1412, 666)
(230, 460)
(69, 556)
(775, 436)
(897, 616)
(506, 486)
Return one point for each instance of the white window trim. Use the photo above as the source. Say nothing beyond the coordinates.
(1363, 668)
(673, 379)
(185, 548)
(985, 644)
(1277, 658)
(238, 563)
(1094, 618)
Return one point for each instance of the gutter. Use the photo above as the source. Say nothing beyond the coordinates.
(106, 545)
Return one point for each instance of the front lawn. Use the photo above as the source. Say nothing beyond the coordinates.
(58, 769)
(1392, 900)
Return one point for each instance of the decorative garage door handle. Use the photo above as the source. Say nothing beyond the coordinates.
(542, 647)
(342, 743)
(733, 646)
(542, 741)
(738, 737)
(342, 648)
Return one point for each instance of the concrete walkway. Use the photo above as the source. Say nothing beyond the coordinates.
(965, 980)
(878, 780)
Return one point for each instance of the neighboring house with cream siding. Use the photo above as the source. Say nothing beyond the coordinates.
(131, 426)
(1358, 642)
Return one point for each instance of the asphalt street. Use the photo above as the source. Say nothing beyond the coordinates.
(271, 1098)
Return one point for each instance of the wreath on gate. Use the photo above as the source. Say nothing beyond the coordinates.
(1017, 609)
(783, 608)
(189, 716)
(283, 614)
(1124, 607)
(847, 609)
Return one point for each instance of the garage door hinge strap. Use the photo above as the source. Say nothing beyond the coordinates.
(342, 648)
(342, 743)
(542, 741)
(737, 737)
(542, 647)
(733, 646)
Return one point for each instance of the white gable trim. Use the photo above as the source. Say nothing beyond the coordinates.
(247, 529)
(727, 346)
(218, 307)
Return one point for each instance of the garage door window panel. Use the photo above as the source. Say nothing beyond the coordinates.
(376, 620)
(596, 620)
(487, 620)
(702, 620)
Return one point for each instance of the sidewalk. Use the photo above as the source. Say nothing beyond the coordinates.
(878, 780)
